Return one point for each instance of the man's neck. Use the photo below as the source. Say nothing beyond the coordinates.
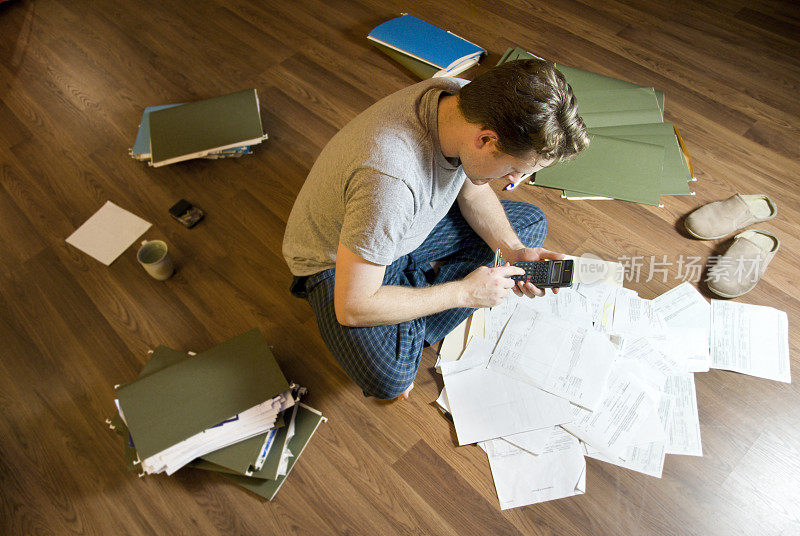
(450, 123)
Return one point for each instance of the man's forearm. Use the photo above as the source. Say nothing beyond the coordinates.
(484, 213)
(393, 304)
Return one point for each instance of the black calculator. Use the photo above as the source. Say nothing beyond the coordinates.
(546, 274)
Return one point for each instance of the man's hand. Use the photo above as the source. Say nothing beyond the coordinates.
(531, 254)
(487, 287)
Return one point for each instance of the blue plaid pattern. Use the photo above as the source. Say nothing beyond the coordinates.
(383, 360)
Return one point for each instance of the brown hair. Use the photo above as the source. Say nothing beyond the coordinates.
(530, 106)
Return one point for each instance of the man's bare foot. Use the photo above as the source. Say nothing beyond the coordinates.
(404, 396)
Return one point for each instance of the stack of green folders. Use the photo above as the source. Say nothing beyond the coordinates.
(634, 155)
(228, 409)
(219, 127)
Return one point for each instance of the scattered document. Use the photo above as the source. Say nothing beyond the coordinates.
(683, 422)
(624, 418)
(487, 405)
(455, 342)
(636, 316)
(643, 350)
(647, 459)
(108, 232)
(598, 294)
(534, 441)
(687, 315)
(750, 339)
(521, 478)
(555, 355)
(567, 304)
(623, 365)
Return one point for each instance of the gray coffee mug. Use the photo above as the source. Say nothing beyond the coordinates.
(154, 257)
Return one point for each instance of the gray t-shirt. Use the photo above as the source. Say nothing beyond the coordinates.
(379, 186)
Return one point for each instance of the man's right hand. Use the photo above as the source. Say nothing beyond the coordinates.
(487, 287)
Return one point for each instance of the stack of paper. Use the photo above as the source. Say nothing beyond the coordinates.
(634, 155)
(220, 127)
(228, 409)
(596, 371)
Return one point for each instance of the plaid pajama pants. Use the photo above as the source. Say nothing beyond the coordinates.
(383, 360)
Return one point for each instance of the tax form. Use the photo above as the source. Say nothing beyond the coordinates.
(553, 354)
(487, 405)
(683, 423)
(627, 416)
(636, 316)
(688, 317)
(647, 458)
(750, 339)
(521, 478)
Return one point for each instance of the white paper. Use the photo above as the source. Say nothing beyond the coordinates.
(636, 316)
(497, 318)
(750, 339)
(682, 422)
(567, 304)
(247, 424)
(604, 317)
(647, 459)
(108, 233)
(688, 317)
(687, 346)
(623, 419)
(534, 441)
(643, 350)
(598, 294)
(487, 405)
(442, 401)
(521, 478)
(566, 360)
(683, 307)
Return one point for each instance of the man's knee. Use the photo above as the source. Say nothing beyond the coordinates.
(528, 221)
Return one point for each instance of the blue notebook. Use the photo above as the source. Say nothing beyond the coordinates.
(427, 43)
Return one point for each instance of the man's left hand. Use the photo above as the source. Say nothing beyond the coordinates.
(531, 254)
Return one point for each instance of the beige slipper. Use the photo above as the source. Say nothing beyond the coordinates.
(740, 268)
(721, 218)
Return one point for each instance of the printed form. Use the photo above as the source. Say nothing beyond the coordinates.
(521, 478)
(487, 405)
(688, 317)
(555, 355)
(750, 339)
(627, 416)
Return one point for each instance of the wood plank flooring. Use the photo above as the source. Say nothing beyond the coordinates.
(74, 79)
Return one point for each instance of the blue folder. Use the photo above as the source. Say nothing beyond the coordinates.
(428, 43)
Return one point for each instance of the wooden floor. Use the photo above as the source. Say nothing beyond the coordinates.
(74, 78)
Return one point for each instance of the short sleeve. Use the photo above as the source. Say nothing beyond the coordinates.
(379, 210)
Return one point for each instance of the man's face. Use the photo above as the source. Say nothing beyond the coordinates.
(489, 164)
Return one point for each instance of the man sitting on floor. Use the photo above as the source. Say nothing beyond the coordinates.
(392, 233)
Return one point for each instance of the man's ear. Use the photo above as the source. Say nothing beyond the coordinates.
(485, 137)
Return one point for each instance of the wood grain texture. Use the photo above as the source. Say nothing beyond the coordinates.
(74, 79)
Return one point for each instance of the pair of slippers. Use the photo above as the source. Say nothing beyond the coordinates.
(737, 271)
